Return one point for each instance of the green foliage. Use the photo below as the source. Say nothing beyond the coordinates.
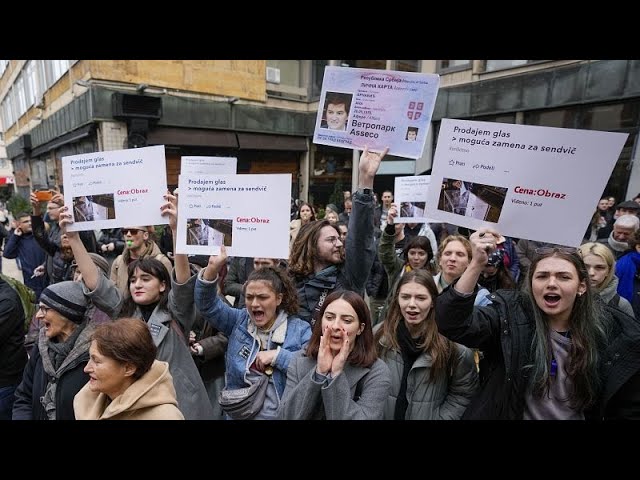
(17, 204)
(27, 298)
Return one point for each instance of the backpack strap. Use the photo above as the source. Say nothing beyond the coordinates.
(178, 329)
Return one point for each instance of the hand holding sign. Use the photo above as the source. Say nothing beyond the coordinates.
(215, 264)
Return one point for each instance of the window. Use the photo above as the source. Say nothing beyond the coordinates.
(290, 71)
(453, 65)
(54, 69)
(611, 116)
(317, 75)
(492, 65)
(407, 65)
(371, 64)
(562, 117)
(31, 79)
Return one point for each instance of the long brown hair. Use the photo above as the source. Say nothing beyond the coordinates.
(587, 333)
(305, 248)
(280, 282)
(364, 352)
(441, 350)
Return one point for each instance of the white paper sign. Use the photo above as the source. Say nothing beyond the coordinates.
(118, 188)
(410, 195)
(208, 165)
(378, 108)
(538, 183)
(249, 213)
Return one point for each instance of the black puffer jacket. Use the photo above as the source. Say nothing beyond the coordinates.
(503, 331)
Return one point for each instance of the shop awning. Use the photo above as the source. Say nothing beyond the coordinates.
(259, 141)
(70, 137)
(192, 136)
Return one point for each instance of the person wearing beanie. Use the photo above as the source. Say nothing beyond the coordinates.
(165, 301)
(55, 372)
(94, 314)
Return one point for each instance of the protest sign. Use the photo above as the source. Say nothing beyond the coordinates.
(410, 195)
(249, 214)
(538, 183)
(208, 165)
(376, 108)
(116, 188)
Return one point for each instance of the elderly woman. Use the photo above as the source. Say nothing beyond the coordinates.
(164, 302)
(126, 382)
(55, 372)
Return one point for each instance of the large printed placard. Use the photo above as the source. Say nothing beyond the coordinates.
(538, 183)
(208, 165)
(249, 214)
(376, 108)
(410, 195)
(117, 188)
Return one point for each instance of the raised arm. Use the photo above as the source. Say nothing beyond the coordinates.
(83, 260)
(386, 248)
(180, 261)
(483, 242)
(360, 248)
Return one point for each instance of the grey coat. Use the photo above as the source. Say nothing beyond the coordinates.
(193, 400)
(445, 399)
(610, 291)
(304, 397)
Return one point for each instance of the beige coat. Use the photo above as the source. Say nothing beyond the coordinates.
(151, 397)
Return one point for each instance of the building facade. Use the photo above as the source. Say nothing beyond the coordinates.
(263, 112)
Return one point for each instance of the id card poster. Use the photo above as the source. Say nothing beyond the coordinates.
(208, 165)
(376, 108)
(411, 197)
(538, 183)
(248, 214)
(116, 188)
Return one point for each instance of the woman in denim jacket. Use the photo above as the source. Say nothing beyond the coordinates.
(263, 336)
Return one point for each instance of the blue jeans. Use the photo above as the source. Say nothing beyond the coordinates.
(6, 401)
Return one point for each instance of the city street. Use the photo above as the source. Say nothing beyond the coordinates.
(10, 269)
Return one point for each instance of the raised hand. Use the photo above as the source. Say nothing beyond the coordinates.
(58, 198)
(483, 242)
(66, 219)
(325, 356)
(215, 264)
(392, 214)
(368, 166)
(170, 209)
(35, 204)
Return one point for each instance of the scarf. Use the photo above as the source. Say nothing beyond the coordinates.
(626, 268)
(617, 246)
(56, 357)
(410, 352)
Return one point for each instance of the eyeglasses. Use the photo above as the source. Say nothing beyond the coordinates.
(43, 308)
(132, 231)
(333, 240)
(552, 250)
